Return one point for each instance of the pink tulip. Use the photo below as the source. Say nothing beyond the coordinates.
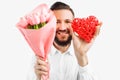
(29, 19)
(23, 22)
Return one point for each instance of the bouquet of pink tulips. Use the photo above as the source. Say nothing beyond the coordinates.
(38, 28)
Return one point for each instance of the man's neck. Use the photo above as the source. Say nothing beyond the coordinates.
(62, 49)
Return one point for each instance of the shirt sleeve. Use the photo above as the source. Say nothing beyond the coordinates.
(31, 73)
(85, 73)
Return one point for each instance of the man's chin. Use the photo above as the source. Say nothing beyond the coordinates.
(63, 42)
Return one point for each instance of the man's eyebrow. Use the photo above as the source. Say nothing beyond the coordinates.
(65, 20)
(68, 20)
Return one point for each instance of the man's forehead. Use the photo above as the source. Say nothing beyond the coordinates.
(63, 14)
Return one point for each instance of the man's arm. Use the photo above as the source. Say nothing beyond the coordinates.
(81, 48)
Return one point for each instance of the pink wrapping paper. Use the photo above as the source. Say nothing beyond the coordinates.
(40, 40)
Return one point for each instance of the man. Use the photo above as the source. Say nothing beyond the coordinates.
(67, 59)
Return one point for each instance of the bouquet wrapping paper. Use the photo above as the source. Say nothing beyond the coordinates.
(40, 39)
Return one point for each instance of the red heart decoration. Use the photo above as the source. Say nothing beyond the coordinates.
(85, 27)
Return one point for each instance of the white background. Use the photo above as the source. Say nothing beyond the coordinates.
(104, 55)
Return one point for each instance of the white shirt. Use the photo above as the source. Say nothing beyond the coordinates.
(64, 66)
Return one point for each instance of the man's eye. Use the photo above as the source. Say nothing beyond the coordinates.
(58, 22)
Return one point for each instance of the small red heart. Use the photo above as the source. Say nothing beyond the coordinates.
(85, 27)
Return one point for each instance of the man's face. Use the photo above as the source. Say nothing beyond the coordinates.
(63, 33)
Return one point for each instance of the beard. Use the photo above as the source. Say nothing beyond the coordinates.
(63, 43)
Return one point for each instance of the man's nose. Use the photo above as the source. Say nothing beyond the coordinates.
(62, 26)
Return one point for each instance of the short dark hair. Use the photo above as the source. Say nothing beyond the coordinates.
(61, 5)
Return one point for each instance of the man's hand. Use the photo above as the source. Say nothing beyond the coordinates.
(81, 47)
(41, 68)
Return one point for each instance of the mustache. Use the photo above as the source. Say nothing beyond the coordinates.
(64, 31)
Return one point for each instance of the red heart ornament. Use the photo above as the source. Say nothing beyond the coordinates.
(85, 27)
